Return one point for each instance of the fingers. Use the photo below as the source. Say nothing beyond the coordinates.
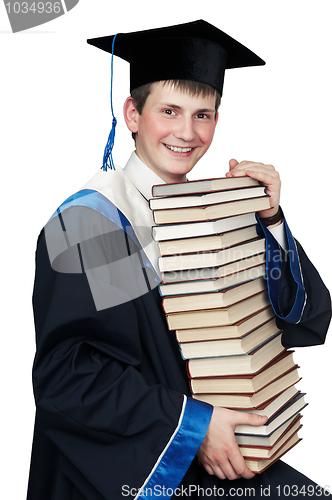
(216, 471)
(237, 461)
(219, 452)
(240, 468)
(251, 169)
(235, 467)
(227, 464)
(233, 163)
(266, 175)
(224, 469)
(227, 470)
(209, 469)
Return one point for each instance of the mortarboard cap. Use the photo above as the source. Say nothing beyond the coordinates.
(196, 51)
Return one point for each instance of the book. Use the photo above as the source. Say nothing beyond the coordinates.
(202, 186)
(271, 408)
(206, 198)
(267, 452)
(259, 466)
(207, 243)
(220, 316)
(236, 365)
(236, 331)
(211, 259)
(180, 231)
(211, 212)
(285, 413)
(214, 272)
(213, 284)
(266, 442)
(213, 300)
(228, 347)
(245, 384)
(252, 401)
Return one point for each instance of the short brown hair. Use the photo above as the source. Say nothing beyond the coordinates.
(140, 94)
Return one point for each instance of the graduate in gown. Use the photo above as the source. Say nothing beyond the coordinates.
(114, 415)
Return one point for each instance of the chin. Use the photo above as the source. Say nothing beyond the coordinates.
(178, 175)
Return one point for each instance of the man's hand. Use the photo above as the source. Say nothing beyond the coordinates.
(219, 453)
(266, 174)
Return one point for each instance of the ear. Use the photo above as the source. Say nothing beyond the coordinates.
(130, 114)
(216, 118)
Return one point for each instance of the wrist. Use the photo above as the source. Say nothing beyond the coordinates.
(273, 220)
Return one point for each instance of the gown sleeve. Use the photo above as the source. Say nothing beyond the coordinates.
(97, 393)
(297, 293)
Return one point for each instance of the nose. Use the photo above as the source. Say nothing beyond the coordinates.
(185, 130)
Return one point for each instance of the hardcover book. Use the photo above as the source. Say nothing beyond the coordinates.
(236, 365)
(180, 231)
(205, 199)
(220, 316)
(202, 186)
(230, 347)
(207, 243)
(211, 212)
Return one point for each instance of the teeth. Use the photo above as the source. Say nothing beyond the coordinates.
(179, 150)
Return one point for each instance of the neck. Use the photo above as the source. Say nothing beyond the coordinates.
(167, 177)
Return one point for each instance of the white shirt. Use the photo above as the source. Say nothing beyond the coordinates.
(141, 176)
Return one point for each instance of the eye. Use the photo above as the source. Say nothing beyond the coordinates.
(202, 116)
(169, 112)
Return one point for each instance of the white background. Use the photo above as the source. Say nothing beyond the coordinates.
(55, 120)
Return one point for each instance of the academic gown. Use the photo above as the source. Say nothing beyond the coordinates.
(114, 417)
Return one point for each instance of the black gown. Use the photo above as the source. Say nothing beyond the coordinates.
(113, 406)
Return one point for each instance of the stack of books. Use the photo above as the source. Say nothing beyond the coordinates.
(215, 298)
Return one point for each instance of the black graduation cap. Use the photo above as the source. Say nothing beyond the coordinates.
(196, 51)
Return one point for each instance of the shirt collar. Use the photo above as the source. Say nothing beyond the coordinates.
(141, 176)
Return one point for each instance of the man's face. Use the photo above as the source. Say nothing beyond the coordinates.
(174, 131)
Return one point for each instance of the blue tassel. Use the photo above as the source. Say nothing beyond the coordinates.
(108, 158)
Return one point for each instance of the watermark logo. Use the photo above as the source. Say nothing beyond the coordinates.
(28, 14)
(81, 240)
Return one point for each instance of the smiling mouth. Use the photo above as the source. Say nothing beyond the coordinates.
(178, 150)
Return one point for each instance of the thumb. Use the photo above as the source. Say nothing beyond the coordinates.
(251, 419)
(233, 163)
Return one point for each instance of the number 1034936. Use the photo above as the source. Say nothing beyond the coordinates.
(304, 491)
(34, 7)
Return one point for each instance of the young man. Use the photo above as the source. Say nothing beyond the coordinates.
(114, 414)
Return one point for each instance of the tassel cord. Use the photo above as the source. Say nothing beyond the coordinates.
(108, 157)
